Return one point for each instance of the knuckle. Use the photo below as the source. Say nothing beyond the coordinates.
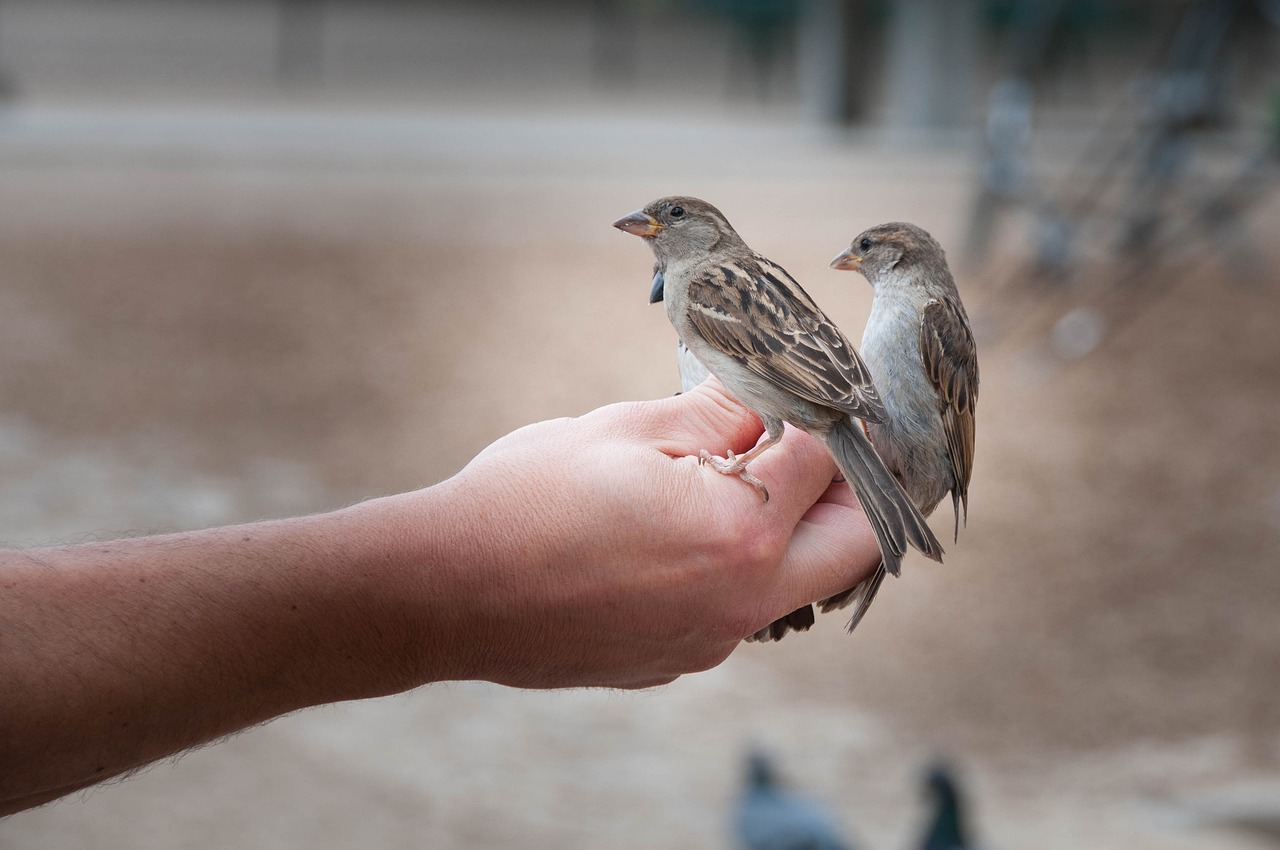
(755, 544)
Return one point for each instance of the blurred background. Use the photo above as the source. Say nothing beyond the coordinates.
(264, 258)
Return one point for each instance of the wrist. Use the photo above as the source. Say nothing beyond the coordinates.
(415, 601)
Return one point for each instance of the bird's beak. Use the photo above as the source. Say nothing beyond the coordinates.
(847, 261)
(640, 223)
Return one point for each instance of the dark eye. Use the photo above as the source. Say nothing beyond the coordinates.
(677, 212)
(865, 244)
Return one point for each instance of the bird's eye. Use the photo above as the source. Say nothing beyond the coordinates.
(865, 244)
(677, 212)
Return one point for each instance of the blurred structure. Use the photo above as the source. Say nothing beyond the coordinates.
(824, 54)
(300, 40)
(933, 63)
(1189, 148)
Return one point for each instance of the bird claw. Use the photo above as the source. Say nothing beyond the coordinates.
(731, 465)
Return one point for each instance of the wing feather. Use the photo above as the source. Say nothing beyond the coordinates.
(951, 362)
(786, 339)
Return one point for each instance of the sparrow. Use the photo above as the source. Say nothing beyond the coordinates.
(920, 350)
(753, 327)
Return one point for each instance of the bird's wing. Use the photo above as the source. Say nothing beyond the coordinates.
(951, 364)
(755, 312)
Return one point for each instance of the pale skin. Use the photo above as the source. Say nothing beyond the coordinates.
(593, 551)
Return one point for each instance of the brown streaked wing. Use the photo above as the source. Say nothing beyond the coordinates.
(787, 339)
(951, 363)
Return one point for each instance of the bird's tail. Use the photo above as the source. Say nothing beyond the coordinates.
(798, 620)
(894, 518)
(864, 594)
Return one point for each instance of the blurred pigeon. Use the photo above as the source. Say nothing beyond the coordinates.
(771, 818)
(947, 829)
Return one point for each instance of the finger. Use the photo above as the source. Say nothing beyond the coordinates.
(707, 417)
(832, 550)
(644, 684)
(797, 472)
(838, 493)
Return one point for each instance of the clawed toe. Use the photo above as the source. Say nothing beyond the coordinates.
(724, 465)
(756, 483)
(732, 465)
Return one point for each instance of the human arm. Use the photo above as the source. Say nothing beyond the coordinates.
(577, 552)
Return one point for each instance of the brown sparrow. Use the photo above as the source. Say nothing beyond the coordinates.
(753, 327)
(921, 353)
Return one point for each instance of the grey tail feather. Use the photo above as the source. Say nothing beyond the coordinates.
(869, 589)
(864, 593)
(894, 518)
(798, 620)
(959, 501)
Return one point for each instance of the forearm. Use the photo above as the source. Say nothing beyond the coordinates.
(116, 654)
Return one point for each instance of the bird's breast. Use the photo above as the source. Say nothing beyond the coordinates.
(911, 441)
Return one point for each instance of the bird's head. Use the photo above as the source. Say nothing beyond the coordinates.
(761, 773)
(678, 228)
(887, 248)
(940, 783)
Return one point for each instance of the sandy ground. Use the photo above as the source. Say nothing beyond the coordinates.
(229, 332)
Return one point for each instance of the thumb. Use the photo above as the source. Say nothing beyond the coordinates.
(706, 417)
(797, 470)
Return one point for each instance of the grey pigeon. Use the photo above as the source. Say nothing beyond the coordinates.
(769, 817)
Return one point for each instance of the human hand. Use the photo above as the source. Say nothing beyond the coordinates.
(598, 551)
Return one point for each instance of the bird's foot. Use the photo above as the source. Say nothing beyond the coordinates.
(730, 464)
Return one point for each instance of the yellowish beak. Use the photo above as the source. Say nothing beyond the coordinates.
(847, 261)
(640, 223)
